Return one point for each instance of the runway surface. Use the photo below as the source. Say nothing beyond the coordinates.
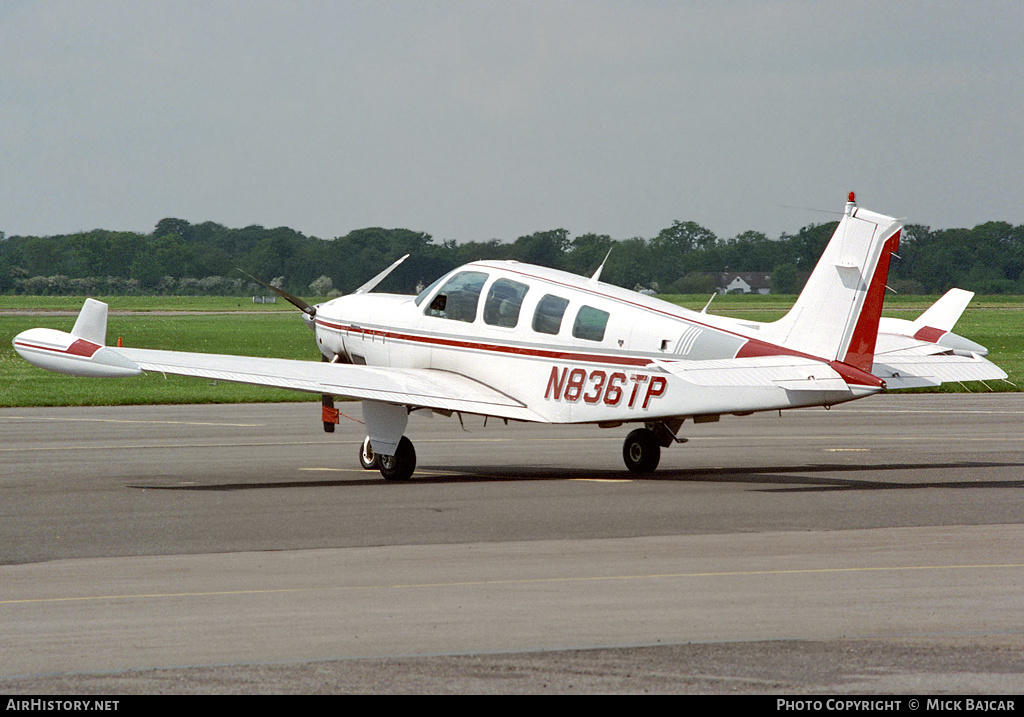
(875, 547)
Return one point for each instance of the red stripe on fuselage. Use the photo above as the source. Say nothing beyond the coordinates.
(493, 348)
(754, 347)
(81, 347)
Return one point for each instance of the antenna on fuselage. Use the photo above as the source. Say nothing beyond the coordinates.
(597, 274)
(380, 277)
(705, 309)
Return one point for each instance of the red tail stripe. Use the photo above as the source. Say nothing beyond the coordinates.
(929, 334)
(861, 352)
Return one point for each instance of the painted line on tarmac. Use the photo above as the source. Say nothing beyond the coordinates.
(514, 581)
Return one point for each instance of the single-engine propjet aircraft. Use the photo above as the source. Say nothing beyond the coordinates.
(525, 343)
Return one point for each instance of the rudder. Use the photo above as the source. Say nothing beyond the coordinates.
(836, 315)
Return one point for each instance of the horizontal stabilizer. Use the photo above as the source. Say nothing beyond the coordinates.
(910, 371)
(793, 373)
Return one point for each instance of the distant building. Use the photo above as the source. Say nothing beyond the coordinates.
(745, 283)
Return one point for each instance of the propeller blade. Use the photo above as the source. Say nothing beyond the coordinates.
(293, 300)
(380, 277)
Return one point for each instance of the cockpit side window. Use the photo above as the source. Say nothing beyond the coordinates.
(504, 300)
(426, 292)
(459, 296)
(547, 319)
(590, 324)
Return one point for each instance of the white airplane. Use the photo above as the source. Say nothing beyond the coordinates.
(525, 343)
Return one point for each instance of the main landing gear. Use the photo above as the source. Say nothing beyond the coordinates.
(398, 467)
(641, 451)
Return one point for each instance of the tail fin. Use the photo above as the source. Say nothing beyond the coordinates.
(91, 324)
(945, 312)
(836, 315)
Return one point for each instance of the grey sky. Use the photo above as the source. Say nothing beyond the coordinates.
(480, 120)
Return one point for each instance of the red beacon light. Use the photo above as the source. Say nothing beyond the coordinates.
(852, 198)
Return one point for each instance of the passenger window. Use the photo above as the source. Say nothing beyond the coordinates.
(590, 324)
(547, 319)
(503, 303)
(459, 296)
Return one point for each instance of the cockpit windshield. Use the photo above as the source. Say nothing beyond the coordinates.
(458, 298)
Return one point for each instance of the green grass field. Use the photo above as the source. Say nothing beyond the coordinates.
(276, 330)
(146, 303)
(273, 334)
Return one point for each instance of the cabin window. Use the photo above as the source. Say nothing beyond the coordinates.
(590, 324)
(459, 296)
(547, 319)
(426, 292)
(503, 303)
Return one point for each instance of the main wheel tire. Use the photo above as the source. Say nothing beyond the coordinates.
(641, 451)
(367, 458)
(401, 465)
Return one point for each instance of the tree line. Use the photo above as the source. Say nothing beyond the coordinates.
(182, 258)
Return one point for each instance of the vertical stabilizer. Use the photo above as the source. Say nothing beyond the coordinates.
(836, 315)
(945, 312)
(91, 324)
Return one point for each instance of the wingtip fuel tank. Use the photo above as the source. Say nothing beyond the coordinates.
(79, 353)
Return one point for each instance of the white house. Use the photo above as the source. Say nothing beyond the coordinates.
(746, 283)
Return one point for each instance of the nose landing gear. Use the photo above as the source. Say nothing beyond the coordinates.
(398, 467)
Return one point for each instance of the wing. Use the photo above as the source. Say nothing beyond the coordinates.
(83, 354)
(427, 388)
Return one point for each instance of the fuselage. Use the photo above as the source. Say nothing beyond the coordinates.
(574, 349)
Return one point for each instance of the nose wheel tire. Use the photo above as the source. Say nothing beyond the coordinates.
(367, 458)
(401, 465)
(641, 451)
